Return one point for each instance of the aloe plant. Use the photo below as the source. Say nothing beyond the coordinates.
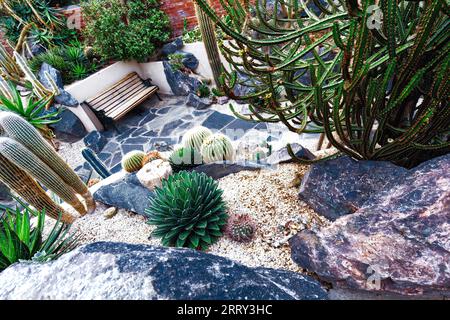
(20, 240)
(377, 88)
(32, 111)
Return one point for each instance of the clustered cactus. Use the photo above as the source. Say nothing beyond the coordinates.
(217, 147)
(373, 76)
(151, 156)
(185, 158)
(133, 161)
(26, 156)
(188, 211)
(240, 227)
(194, 137)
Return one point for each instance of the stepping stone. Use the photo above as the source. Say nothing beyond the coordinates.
(217, 120)
(149, 117)
(131, 147)
(136, 140)
(168, 128)
(163, 111)
(116, 159)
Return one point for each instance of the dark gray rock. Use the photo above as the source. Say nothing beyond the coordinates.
(180, 83)
(69, 128)
(96, 141)
(398, 241)
(64, 98)
(5, 195)
(220, 170)
(282, 155)
(172, 47)
(196, 102)
(83, 173)
(341, 186)
(188, 60)
(122, 190)
(119, 271)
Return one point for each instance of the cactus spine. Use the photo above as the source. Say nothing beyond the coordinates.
(23, 146)
(95, 163)
(217, 147)
(133, 160)
(195, 137)
(207, 30)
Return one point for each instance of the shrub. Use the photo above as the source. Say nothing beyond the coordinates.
(125, 32)
(19, 240)
(188, 211)
(176, 61)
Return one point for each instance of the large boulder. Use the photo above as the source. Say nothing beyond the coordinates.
(180, 83)
(196, 102)
(70, 128)
(172, 47)
(188, 60)
(341, 186)
(63, 98)
(119, 271)
(123, 190)
(397, 241)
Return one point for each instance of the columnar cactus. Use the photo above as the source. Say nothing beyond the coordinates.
(27, 156)
(207, 30)
(133, 160)
(195, 137)
(217, 147)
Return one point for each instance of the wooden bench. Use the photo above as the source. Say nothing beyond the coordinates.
(122, 97)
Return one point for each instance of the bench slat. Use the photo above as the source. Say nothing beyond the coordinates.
(123, 82)
(117, 97)
(123, 109)
(114, 91)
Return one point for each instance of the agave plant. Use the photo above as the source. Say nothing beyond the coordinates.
(373, 76)
(20, 240)
(188, 211)
(33, 111)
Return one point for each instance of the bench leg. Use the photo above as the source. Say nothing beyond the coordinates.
(159, 98)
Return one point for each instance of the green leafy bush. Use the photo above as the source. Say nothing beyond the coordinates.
(188, 211)
(125, 32)
(203, 91)
(176, 61)
(20, 240)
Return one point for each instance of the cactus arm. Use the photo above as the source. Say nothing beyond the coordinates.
(20, 130)
(95, 163)
(27, 188)
(30, 163)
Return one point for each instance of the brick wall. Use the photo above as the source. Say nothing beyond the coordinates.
(179, 10)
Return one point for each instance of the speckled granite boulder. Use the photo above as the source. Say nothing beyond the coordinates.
(106, 270)
(282, 155)
(122, 190)
(399, 238)
(339, 187)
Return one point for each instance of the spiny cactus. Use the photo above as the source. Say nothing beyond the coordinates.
(194, 137)
(217, 147)
(207, 30)
(372, 75)
(150, 156)
(188, 211)
(240, 227)
(23, 146)
(95, 163)
(184, 158)
(133, 160)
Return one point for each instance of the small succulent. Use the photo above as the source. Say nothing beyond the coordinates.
(188, 211)
(132, 161)
(240, 227)
(152, 155)
(195, 137)
(185, 158)
(217, 147)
